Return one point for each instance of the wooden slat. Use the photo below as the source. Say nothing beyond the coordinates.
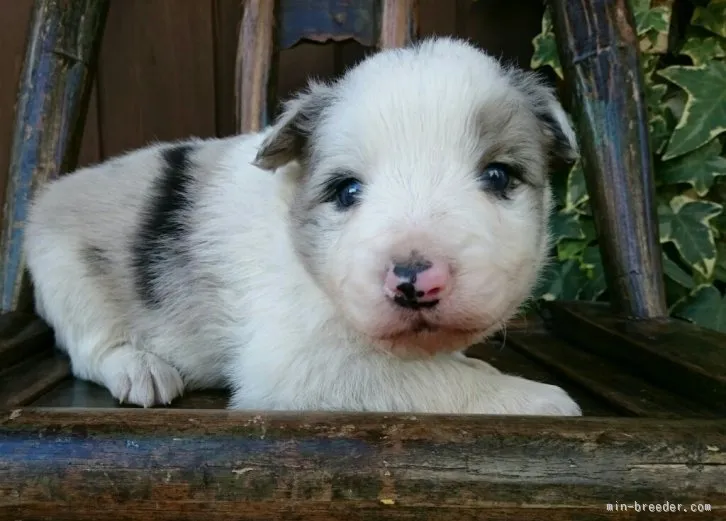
(156, 73)
(82, 394)
(22, 335)
(674, 354)
(598, 45)
(13, 28)
(399, 23)
(328, 20)
(613, 383)
(227, 20)
(52, 104)
(511, 359)
(166, 464)
(255, 65)
(33, 377)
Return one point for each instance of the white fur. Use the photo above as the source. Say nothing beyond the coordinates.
(280, 297)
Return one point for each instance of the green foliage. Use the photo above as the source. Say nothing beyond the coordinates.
(685, 89)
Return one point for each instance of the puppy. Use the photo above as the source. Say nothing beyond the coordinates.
(341, 259)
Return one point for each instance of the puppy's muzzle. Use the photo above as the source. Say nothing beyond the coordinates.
(417, 283)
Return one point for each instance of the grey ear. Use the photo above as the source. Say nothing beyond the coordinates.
(553, 119)
(291, 132)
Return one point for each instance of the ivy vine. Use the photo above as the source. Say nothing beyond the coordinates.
(685, 87)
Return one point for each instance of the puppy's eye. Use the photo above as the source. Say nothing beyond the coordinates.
(346, 192)
(496, 177)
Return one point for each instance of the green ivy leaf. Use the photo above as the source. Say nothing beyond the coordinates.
(561, 281)
(652, 25)
(698, 168)
(569, 249)
(576, 187)
(703, 49)
(545, 47)
(704, 116)
(592, 264)
(706, 307)
(674, 272)
(685, 223)
(719, 273)
(656, 19)
(566, 225)
(711, 17)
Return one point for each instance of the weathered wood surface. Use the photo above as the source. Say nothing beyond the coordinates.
(328, 20)
(399, 23)
(22, 335)
(674, 354)
(598, 46)
(183, 464)
(255, 65)
(52, 104)
(618, 384)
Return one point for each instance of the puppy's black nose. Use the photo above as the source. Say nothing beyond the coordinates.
(416, 283)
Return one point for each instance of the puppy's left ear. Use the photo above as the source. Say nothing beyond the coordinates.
(290, 134)
(553, 119)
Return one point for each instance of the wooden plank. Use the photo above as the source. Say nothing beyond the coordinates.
(674, 354)
(509, 358)
(52, 104)
(227, 19)
(598, 45)
(613, 383)
(399, 23)
(167, 464)
(22, 335)
(82, 394)
(297, 65)
(501, 29)
(35, 376)
(91, 152)
(255, 71)
(156, 73)
(328, 20)
(13, 29)
(436, 18)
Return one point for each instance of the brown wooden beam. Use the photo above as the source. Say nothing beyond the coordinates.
(598, 47)
(255, 65)
(165, 464)
(399, 23)
(53, 97)
(674, 354)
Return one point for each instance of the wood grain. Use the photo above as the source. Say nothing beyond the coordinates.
(156, 73)
(255, 70)
(53, 99)
(598, 46)
(677, 355)
(399, 23)
(182, 464)
(227, 20)
(13, 29)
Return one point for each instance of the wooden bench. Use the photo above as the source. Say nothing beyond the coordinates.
(653, 388)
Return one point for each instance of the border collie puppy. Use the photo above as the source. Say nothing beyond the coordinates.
(341, 259)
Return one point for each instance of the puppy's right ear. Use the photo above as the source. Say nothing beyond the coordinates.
(291, 132)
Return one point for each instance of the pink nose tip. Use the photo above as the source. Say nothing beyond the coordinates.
(417, 283)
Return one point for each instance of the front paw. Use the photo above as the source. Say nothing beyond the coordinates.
(547, 400)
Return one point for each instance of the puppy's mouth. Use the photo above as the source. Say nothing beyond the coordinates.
(422, 327)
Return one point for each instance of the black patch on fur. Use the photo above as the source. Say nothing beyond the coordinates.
(96, 260)
(164, 227)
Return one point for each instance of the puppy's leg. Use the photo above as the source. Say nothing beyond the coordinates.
(75, 294)
(331, 379)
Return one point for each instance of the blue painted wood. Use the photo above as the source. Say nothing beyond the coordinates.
(325, 20)
(52, 103)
